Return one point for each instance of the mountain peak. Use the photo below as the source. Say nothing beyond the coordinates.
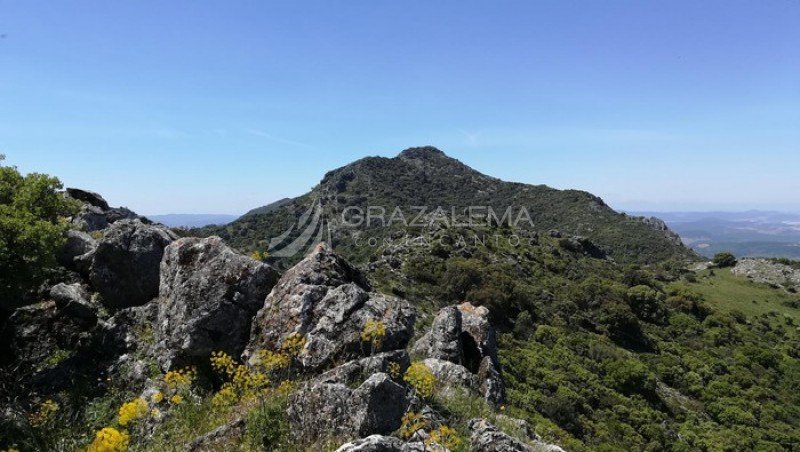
(422, 153)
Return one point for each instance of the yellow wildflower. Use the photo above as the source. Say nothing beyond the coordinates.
(177, 399)
(226, 396)
(445, 436)
(271, 361)
(373, 332)
(45, 413)
(132, 410)
(421, 379)
(411, 423)
(110, 439)
(180, 380)
(293, 344)
(157, 397)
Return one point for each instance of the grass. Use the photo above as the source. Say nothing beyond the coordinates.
(727, 292)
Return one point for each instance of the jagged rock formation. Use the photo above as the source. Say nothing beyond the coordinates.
(125, 265)
(208, 296)
(768, 272)
(485, 437)
(463, 335)
(95, 213)
(380, 443)
(327, 301)
(324, 408)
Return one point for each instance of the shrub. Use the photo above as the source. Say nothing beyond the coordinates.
(724, 259)
(31, 231)
(421, 379)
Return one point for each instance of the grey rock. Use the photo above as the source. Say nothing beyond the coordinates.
(380, 443)
(125, 268)
(77, 251)
(322, 409)
(73, 299)
(485, 437)
(768, 272)
(463, 335)
(208, 296)
(327, 301)
(89, 197)
(360, 369)
(452, 374)
(379, 404)
(90, 218)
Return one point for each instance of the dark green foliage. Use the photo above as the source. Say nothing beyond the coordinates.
(30, 232)
(724, 259)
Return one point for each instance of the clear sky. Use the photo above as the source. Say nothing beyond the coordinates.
(217, 107)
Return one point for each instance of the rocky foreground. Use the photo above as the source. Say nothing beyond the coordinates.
(137, 302)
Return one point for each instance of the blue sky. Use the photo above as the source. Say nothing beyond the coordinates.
(217, 107)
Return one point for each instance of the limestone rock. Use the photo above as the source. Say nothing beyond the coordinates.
(89, 197)
(73, 300)
(327, 301)
(76, 251)
(208, 296)
(322, 409)
(463, 335)
(125, 268)
(380, 443)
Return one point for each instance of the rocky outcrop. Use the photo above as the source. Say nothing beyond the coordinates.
(125, 266)
(768, 272)
(322, 409)
(380, 443)
(328, 302)
(95, 213)
(463, 335)
(485, 437)
(208, 296)
(89, 197)
(358, 370)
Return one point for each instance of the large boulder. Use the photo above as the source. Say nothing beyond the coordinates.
(359, 370)
(125, 267)
(321, 409)
(463, 335)
(73, 299)
(95, 213)
(88, 197)
(381, 443)
(328, 302)
(208, 296)
(485, 437)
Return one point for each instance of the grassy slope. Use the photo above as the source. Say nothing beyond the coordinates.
(727, 292)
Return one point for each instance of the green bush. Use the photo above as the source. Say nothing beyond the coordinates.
(31, 231)
(724, 259)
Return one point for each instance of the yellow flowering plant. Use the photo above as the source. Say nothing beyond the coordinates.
(411, 423)
(133, 410)
(110, 439)
(373, 333)
(444, 436)
(421, 379)
(44, 414)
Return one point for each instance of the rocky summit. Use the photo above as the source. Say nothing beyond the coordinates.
(581, 330)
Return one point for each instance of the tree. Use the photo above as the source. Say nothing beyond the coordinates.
(32, 226)
(724, 259)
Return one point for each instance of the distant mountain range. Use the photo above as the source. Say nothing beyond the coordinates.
(751, 233)
(192, 220)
